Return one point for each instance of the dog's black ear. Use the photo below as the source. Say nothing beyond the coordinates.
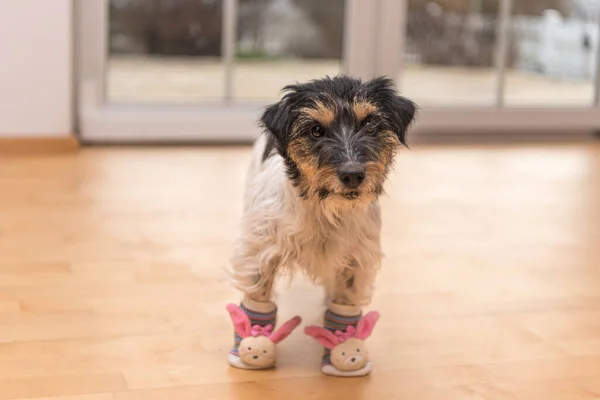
(399, 111)
(277, 121)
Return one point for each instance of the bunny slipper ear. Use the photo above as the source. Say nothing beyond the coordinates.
(240, 320)
(285, 330)
(366, 325)
(323, 336)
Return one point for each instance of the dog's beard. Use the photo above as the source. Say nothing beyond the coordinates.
(323, 185)
(349, 195)
(335, 205)
(336, 197)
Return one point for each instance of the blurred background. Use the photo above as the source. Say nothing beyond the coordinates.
(201, 70)
(171, 50)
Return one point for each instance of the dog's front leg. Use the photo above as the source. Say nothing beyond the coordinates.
(255, 281)
(262, 291)
(352, 289)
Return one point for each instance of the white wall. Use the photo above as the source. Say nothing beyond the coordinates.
(35, 68)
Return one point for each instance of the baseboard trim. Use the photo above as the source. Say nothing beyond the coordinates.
(38, 145)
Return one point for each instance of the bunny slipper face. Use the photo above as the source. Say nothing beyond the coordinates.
(348, 352)
(350, 355)
(257, 351)
(257, 347)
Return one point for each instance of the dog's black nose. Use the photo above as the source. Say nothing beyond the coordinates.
(353, 359)
(255, 357)
(351, 175)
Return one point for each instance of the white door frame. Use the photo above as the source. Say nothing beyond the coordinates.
(373, 39)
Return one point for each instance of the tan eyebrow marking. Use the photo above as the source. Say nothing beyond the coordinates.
(362, 109)
(321, 112)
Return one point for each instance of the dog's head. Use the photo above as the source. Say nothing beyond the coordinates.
(338, 136)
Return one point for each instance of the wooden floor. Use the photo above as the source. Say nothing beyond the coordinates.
(112, 283)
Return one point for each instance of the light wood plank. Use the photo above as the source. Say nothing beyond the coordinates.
(101, 396)
(38, 145)
(59, 385)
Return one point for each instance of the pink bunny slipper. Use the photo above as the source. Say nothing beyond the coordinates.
(347, 355)
(257, 348)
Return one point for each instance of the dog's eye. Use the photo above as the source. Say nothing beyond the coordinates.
(358, 350)
(370, 128)
(249, 348)
(316, 131)
(343, 354)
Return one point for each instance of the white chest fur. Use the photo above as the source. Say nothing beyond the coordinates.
(282, 231)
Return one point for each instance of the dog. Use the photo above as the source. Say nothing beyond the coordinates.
(312, 192)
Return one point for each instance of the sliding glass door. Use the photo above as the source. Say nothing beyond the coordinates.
(201, 70)
(191, 51)
(489, 65)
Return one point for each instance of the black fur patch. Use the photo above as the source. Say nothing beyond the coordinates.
(323, 193)
(270, 148)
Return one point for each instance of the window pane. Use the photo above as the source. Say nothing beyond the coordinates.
(284, 41)
(553, 53)
(449, 52)
(165, 50)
